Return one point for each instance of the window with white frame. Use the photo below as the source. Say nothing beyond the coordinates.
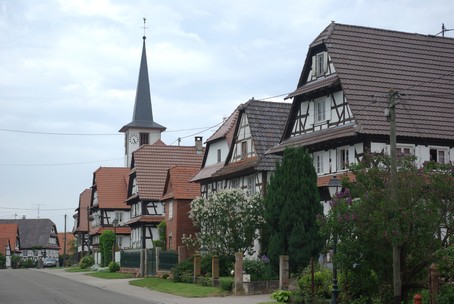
(318, 162)
(251, 185)
(170, 206)
(343, 158)
(439, 155)
(235, 183)
(319, 111)
(320, 64)
(119, 216)
(404, 150)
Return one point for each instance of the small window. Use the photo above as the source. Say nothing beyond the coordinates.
(320, 111)
(144, 138)
(320, 64)
(404, 151)
(344, 160)
(235, 183)
(170, 210)
(219, 156)
(318, 163)
(438, 155)
(243, 149)
(251, 185)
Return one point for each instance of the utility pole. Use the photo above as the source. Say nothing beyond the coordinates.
(397, 281)
(64, 248)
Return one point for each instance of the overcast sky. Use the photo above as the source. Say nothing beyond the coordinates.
(71, 67)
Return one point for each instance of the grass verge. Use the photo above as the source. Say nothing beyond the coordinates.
(110, 275)
(180, 289)
(77, 269)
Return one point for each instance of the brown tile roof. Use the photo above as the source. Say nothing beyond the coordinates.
(226, 129)
(317, 85)
(322, 181)
(34, 232)
(369, 62)
(151, 163)
(4, 242)
(245, 166)
(84, 203)
(327, 135)
(112, 187)
(69, 242)
(119, 230)
(177, 184)
(146, 219)
(9, 231)
(206, 172)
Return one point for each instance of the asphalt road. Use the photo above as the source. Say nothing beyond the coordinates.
(36, 287)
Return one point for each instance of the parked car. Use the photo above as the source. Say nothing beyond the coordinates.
(50, 262)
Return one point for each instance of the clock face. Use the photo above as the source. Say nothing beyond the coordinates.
(133, 139)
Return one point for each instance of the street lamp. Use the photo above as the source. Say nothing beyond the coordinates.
(115, 224)
(334, 186)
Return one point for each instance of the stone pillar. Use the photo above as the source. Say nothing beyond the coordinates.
(143, 263)
(434, 283)
(215, 270)
(283, 272)
(239, 289)
(197, 266)
(182, 253)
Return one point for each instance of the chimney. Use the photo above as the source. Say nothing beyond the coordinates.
(198, 144)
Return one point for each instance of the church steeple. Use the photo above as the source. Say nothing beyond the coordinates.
(142, 129)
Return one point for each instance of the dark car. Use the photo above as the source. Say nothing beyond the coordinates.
(50, 262)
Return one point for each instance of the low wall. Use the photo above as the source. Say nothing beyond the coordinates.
(134, 271)
(260, 287)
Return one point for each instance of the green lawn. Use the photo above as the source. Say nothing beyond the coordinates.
(180, 289)
(110, 275)
(77, 269)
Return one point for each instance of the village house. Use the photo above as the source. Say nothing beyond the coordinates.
(108, 210)
(340, 107)
(9, 241)
(38, 238)
(81, 224)
(178, 195)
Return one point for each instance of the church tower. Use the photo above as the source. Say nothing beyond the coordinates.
(142, 129)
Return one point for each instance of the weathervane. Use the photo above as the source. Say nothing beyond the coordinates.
(144, 27)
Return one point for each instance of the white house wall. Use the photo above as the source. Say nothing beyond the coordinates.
(212, 156)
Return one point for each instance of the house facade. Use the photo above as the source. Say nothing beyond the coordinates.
(150, 164)
(38, 238)
(340, 107)
(108, 210)
(177, 197)
(9, 241)
(81, 226)
(257, 128)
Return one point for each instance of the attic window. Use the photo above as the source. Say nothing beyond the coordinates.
(321, 64)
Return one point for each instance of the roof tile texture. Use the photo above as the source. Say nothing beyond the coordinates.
(369, 62)
(9, 231)
(151, 163)
(178, 185)
(112, 187)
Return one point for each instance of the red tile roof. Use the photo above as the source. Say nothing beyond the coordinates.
(69, 242)
(147, 219)
(151, 163)
(322, 181)
(84, 203)
(9, 231)
(4, 242)
(112, 187)
(177, 184)
(119, 230)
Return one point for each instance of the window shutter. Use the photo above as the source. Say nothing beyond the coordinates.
(314, 66)
(328, 107)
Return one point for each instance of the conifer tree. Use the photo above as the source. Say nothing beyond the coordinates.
(292, 204)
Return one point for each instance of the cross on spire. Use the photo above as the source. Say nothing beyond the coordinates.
(144, 27)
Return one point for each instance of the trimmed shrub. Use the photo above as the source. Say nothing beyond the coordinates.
(183, 271)
(259, 269)
(322, 282)
(2, 261)
(86, 262)
(114, 267)
(226, 283)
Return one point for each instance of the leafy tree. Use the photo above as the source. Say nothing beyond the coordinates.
(368, 225)
(228, 221)
(106, 242)
(292, 204)
(162, 235)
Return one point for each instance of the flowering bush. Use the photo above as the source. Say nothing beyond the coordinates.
(229, 221)
(259, 269)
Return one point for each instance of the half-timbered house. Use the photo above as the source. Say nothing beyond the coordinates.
(108, 210)
(146, 185)
(258, 127)
(341, 103)
(81, 223)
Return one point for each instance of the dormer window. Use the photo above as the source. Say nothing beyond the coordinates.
(320, 64)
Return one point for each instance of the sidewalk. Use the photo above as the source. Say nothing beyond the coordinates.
(122, 286)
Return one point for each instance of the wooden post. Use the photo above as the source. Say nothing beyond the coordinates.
(197, 266)
(239, 289)
(215, 270)
(417, 299)
(434, 283)
(283, 272)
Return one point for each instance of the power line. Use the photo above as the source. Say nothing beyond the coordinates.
(59, 164)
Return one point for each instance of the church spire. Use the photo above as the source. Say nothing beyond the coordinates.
(143, 115)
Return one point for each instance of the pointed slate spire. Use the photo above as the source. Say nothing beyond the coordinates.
(143, 115)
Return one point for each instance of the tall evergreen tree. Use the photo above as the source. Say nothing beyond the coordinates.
(292, 204)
